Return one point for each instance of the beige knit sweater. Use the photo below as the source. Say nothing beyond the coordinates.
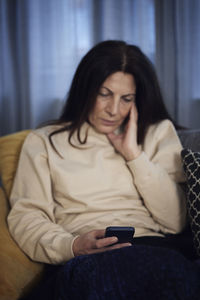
(59, 195)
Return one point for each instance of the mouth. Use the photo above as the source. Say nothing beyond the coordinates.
(108, 122)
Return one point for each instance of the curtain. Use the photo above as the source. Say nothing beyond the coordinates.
(42, 42)
(178, 58)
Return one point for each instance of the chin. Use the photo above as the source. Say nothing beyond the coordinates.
(105, 129)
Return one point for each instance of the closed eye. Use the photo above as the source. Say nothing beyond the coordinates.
(103, 94)
(129, 98)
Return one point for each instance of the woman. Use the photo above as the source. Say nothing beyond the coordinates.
(112, 158)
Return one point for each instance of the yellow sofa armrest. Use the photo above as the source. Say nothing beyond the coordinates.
(18, 273)
(10, 147)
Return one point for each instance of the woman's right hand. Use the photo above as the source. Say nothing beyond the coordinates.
(94, 242)
(126, 142)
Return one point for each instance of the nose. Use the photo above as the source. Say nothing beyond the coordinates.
(112, 107)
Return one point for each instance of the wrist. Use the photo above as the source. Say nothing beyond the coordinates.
(133, 155)
(75, 245)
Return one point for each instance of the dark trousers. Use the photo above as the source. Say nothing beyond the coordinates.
(181, 243)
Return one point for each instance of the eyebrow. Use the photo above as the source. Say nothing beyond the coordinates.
(130, 94)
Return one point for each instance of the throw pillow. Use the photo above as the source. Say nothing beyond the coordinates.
(191, 166)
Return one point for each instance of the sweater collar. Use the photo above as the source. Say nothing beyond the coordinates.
(93, 137)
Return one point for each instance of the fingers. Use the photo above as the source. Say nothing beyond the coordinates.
(100, 241)
(105, 242)
(118, 246)
(111, 136)
(116, 140)
(94, 242)
(113, 247)
(100, 233)
(133, 114)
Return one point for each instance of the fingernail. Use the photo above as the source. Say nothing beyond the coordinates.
(114, 239)
(128, 244)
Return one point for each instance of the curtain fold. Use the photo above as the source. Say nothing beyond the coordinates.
(178, 58)
(14, 79)
(166, 52)
(42, 42)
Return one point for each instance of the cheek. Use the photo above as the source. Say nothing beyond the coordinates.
(96, 111)
(99, 107)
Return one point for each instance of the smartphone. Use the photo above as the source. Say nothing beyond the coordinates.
(124, 234)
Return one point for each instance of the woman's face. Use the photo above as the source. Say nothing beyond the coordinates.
(113, 102)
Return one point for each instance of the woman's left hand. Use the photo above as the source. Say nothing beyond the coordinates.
(126, 142)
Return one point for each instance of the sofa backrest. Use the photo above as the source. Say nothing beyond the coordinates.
(190, 139)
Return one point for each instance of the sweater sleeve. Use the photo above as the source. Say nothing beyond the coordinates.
(31, 219)
(157, 174)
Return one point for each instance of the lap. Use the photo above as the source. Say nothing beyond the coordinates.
(183, 243)
(137, 272)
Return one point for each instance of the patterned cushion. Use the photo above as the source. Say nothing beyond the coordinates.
(191, 165)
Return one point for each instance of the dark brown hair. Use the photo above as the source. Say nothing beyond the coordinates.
(101, 61)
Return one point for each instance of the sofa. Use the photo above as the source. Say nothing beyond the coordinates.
(19, 274)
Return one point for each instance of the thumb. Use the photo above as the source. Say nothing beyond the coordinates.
(111, 136)
(116, 140)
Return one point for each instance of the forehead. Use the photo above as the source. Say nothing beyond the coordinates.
(124, 82)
